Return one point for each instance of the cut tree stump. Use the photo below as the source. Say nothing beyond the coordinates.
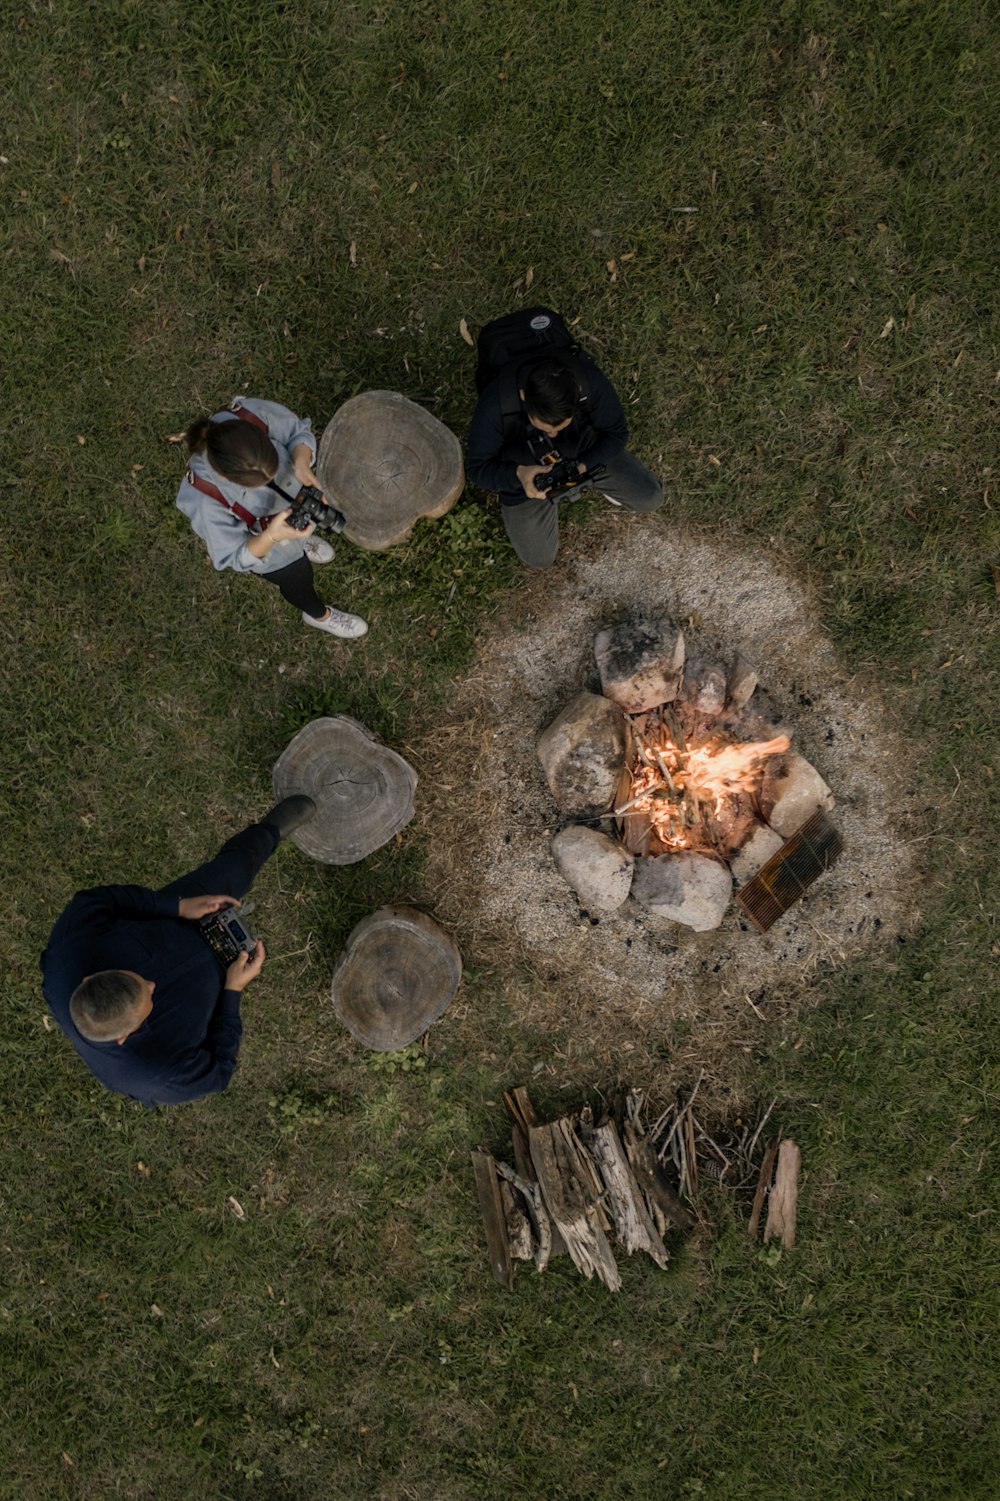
(386, 462)
(399, 971)
(362, 790)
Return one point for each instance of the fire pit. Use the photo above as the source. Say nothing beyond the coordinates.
(491, 819)
(684, 760)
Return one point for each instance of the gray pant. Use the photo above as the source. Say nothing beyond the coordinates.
(533, 526)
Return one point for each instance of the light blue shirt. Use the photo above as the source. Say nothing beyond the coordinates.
(222, 532)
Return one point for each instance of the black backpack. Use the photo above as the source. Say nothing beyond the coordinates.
(508, 344)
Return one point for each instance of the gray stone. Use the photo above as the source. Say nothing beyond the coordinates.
(641, 663)
(762, 844)
(704, 685)
(740, 685)
(688, 888)
(582, 754)
(791, 792)
(598, 868)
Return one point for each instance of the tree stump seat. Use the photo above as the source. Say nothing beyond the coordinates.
(386, 462)
(363, 791)
(398, 972)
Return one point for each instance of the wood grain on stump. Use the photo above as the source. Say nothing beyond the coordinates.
(385, 462)
(362, 790)
(397, 974)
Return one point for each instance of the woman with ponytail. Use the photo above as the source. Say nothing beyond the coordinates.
(246, 464)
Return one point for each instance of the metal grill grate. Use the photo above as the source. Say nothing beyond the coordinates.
(780, 883)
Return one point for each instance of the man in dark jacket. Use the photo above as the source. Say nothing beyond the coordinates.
(554, 423)
(136, 987)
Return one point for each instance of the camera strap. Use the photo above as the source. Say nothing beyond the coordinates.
(255, 523)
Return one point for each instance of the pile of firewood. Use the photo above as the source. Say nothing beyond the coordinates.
(579, 1182)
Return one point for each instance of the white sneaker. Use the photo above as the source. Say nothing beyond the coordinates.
(339, 623)
(317, 550)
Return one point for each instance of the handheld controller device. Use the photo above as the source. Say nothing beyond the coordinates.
(227, 934)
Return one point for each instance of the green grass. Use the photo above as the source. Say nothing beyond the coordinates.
(183, 187)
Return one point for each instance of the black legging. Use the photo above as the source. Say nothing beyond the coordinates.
(296, 585)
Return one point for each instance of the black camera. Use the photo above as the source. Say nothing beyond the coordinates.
(308, 506)
(227, 934)
(566, 475)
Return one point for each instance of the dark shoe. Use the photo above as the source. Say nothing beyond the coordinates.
(289, 813)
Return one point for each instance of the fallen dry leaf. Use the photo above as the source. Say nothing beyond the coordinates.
(613, 270)
(236, 1207)
(529, 277)
(463, 329)
(353, 253)
(888, 329)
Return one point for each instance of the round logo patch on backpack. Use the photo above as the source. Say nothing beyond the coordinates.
(542, 320)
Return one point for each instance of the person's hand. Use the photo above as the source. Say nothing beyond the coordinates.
(194, 907)
(279, 530)
(302, 464)
(245, 967)
(526, 474)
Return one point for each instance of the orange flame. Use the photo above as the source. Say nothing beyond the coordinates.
(670, 785)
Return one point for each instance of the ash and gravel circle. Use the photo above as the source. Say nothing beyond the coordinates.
(490, 818)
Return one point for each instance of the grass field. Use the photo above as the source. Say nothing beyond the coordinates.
(778, 227)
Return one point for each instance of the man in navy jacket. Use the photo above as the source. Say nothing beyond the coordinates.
(554, 422)
(137, 989)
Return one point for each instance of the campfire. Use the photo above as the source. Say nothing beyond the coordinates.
(683, 782)
(697, 794)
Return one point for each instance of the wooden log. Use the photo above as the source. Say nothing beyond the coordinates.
(663, 1201)
(385, 462)
(398, 972)
(519, 1237)
(763, 1184)
(570, 1188)
(363, 791)
(633, 1224)
(783, 1202)
(488, 1189)
(550, 1243)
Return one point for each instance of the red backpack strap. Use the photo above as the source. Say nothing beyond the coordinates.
(245, 415)
(255, 523)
